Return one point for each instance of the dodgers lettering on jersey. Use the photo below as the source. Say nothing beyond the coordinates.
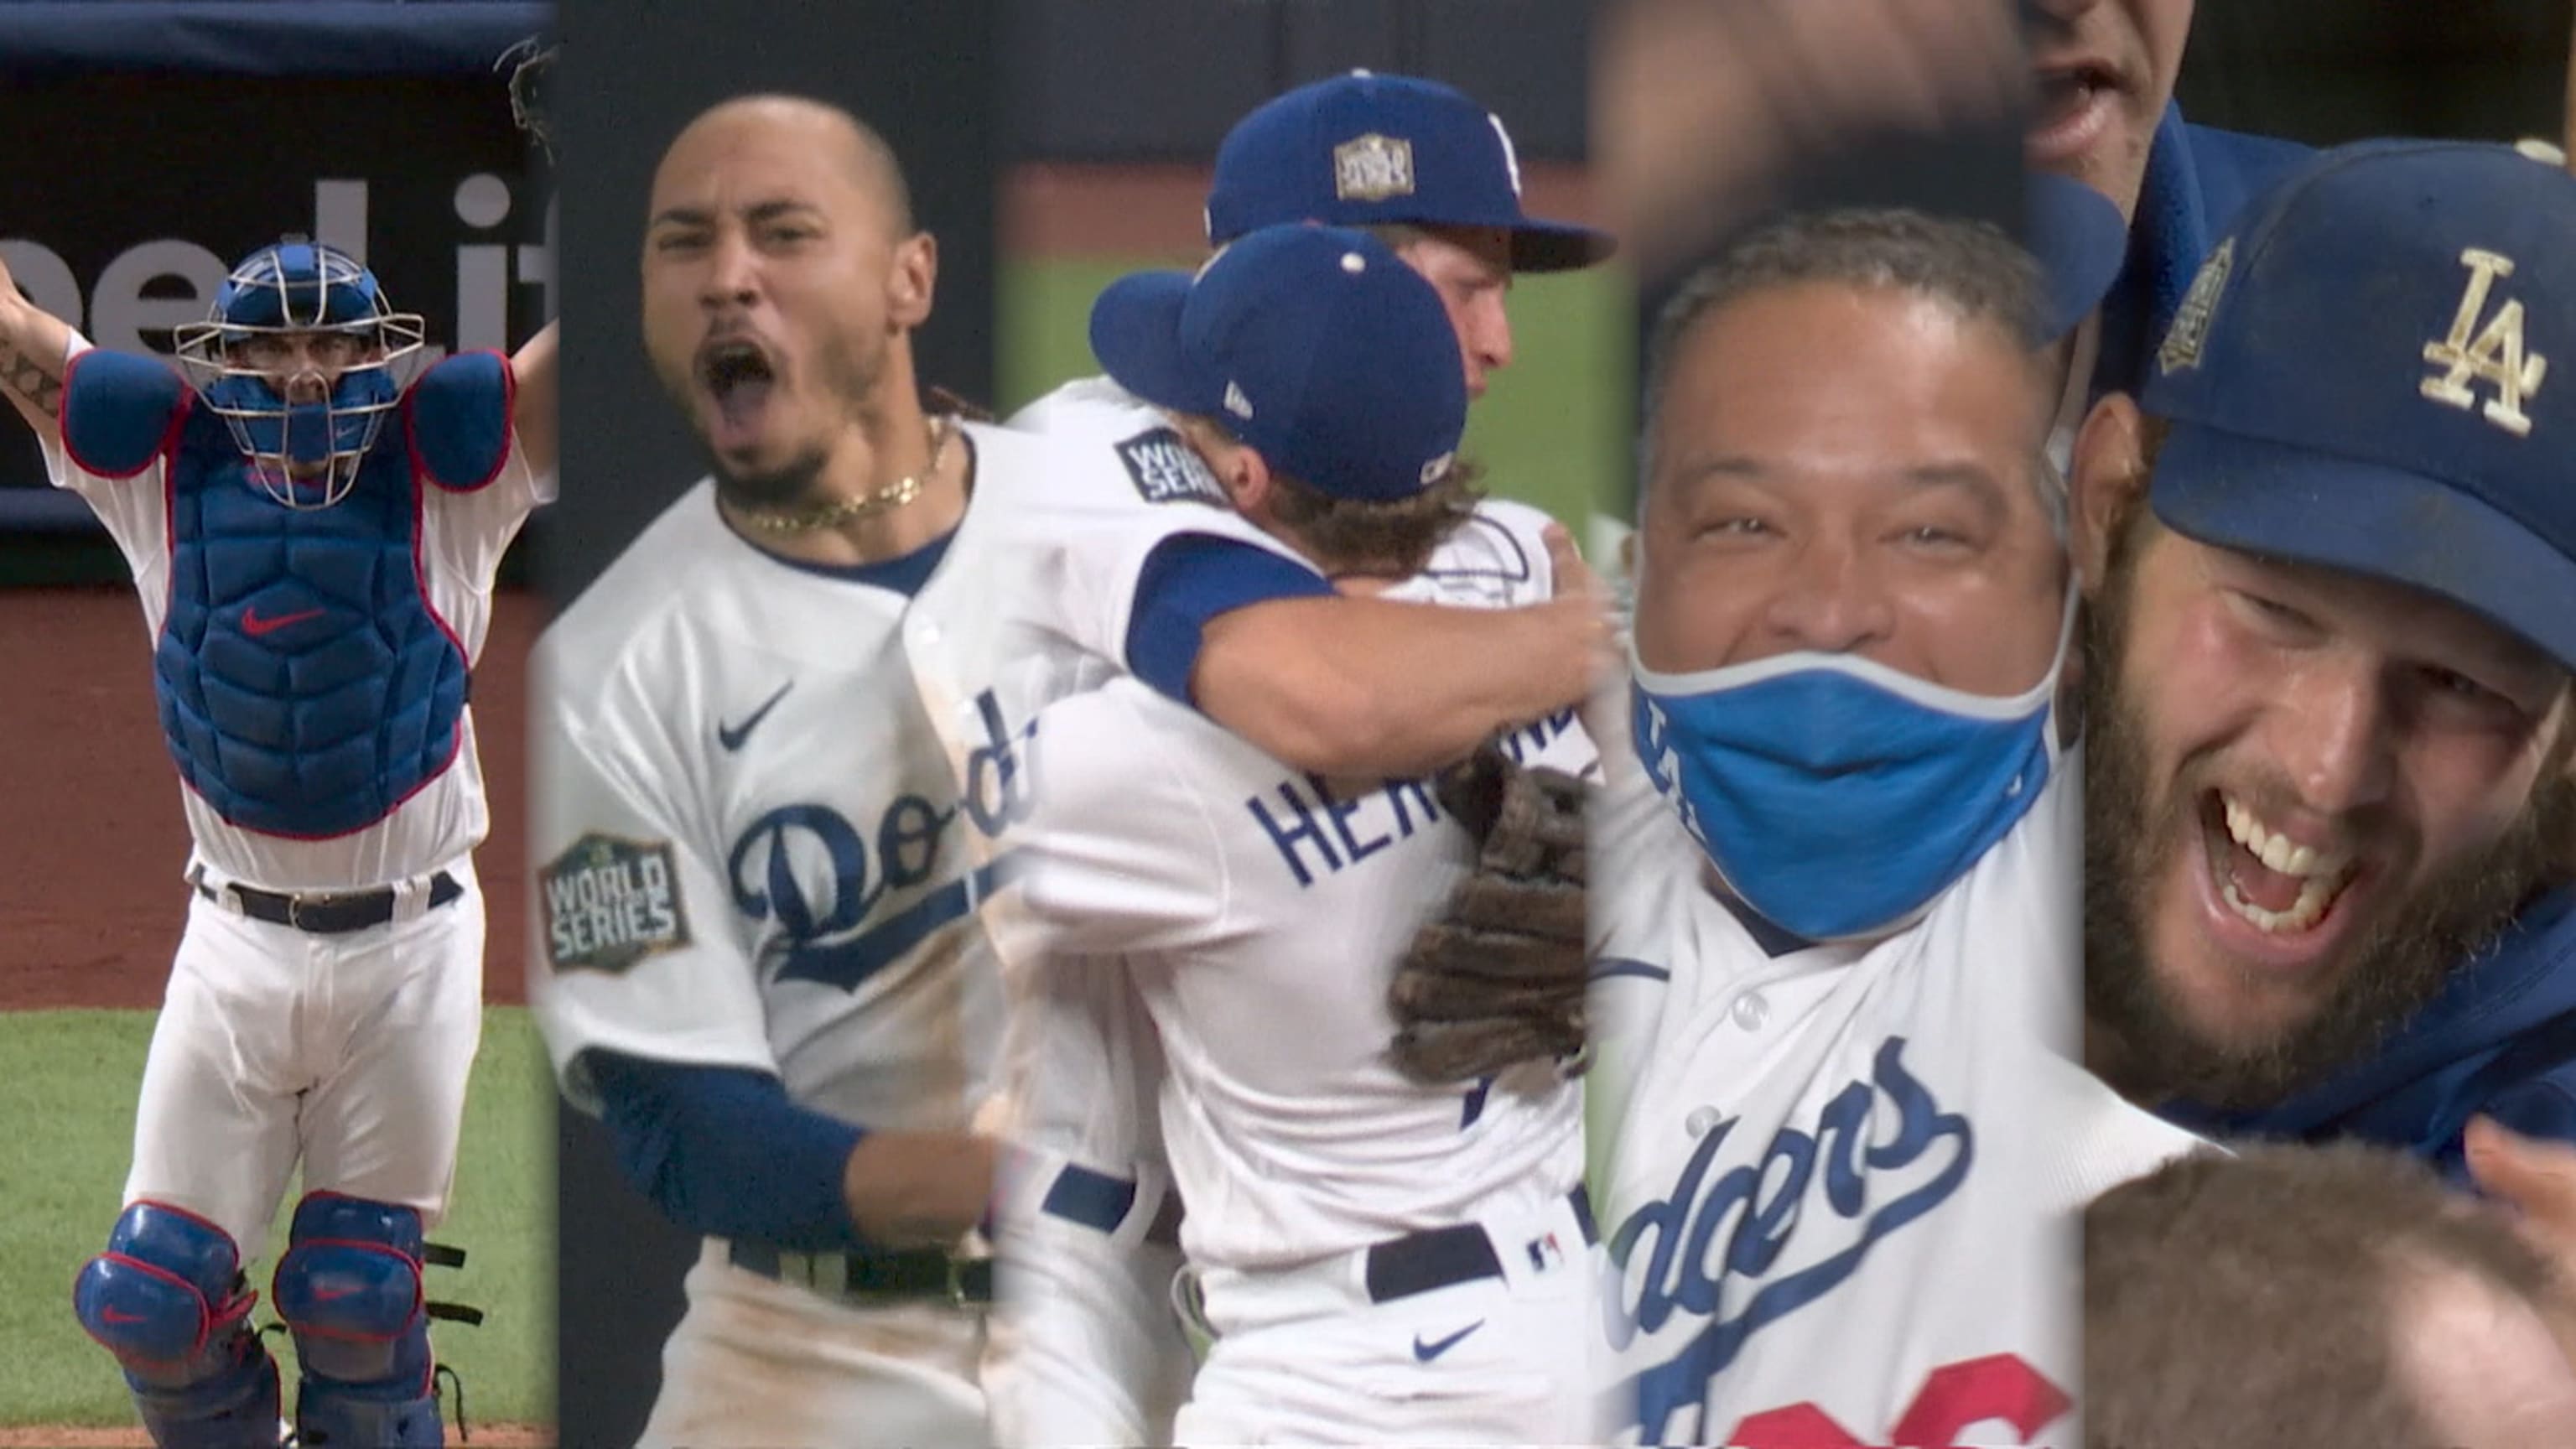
(770, 804)
(1843, 1182)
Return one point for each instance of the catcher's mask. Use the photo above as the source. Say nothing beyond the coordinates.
(297, 359)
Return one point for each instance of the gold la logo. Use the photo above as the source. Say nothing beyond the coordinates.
(2494, 354)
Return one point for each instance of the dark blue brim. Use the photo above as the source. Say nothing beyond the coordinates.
(1557, 246)
(1136, 334)
(2292, 503)
(2081, 243)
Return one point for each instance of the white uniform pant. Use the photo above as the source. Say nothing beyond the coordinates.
(349, 1052)
(1087, 1349)
(760, 1364)
(1303, 1356)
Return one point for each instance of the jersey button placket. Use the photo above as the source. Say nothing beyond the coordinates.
(1750, 1011)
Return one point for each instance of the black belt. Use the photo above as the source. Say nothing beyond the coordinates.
(1101, 1202)
(325, 915)
(1438, 1258)
(865, 1273)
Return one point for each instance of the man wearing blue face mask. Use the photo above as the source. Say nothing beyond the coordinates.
(1835, 1004)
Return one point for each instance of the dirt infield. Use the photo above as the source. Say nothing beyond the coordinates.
(93, 841)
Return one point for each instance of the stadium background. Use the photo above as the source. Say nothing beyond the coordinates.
(1056, 144)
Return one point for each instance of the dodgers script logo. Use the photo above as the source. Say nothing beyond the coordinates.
(912, 845)
(1718, 1243)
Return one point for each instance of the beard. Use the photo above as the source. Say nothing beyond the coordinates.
(2395, 966)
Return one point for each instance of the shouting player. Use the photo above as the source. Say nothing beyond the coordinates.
(2330, 662)
(1378, 1261)
(1837, 987)
(314, 544)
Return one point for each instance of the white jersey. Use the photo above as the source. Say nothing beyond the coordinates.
(462, 538)
(1260, 912)
(1842, 1182)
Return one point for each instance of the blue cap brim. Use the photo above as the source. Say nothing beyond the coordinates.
(1557, 246)
(2294, 503)
(2081, 243)
(1136, 334)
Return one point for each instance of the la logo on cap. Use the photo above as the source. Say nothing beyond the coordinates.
(1373, 168)
(2494, 354)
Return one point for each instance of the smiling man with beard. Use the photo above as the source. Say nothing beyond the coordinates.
(2331, 552)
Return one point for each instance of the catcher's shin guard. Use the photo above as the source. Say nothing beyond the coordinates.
(168, 1299)
(349, 1288)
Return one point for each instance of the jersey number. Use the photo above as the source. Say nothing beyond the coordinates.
(1955, 1396)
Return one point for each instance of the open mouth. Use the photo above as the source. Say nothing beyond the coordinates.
(2071, 110)
(738, 376)
(2281, 888)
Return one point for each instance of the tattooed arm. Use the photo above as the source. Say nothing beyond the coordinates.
(32, 348)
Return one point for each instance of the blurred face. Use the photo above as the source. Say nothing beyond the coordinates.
(304, 366)
(2313, 794)
(2104, 70)
(777, 281)
(1471, 268)
(1850, 470)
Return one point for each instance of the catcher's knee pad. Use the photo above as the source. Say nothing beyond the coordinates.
(349, 1288)
(168, 1299)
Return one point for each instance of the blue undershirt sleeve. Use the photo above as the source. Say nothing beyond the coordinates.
(724, 1153)
(1190, 579)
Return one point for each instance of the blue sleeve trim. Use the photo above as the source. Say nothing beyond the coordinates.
(457, 418)
(724, 1153)
(120, 411)
(1190, 579)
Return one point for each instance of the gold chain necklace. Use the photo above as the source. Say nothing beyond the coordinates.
(867, 505)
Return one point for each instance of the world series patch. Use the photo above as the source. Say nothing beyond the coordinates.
(1166, 469)
(610, 902)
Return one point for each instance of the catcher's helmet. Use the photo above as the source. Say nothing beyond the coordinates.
(306, 454)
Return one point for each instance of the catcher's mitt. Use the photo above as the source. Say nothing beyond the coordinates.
(1498, 978)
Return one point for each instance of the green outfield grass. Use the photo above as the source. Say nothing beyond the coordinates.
(68, 1101)
(1548, 431)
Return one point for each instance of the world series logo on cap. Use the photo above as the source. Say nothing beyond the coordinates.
(2190, 330)
(1373, 168)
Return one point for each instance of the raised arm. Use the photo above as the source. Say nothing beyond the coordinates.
(32, 345)
(1345, 686)
(534, 368)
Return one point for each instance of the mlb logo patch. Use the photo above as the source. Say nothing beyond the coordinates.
(1546, 1253)
(1166, 469)
(1373, 168)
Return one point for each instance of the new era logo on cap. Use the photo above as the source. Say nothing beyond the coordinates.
(1236, 403)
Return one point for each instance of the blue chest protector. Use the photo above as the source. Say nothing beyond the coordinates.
(307, 688)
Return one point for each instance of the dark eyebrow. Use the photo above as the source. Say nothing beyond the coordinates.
(755, 214)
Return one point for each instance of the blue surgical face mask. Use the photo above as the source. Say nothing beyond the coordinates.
(1838, 797)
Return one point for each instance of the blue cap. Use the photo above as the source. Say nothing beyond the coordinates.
(1316, 346)
(2366, 375)
(2080, 241)
(1367, 150)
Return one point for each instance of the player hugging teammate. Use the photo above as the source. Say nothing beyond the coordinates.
(795, 717)
(313, 541)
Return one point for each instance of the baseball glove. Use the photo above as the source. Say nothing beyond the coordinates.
(1498, 977)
